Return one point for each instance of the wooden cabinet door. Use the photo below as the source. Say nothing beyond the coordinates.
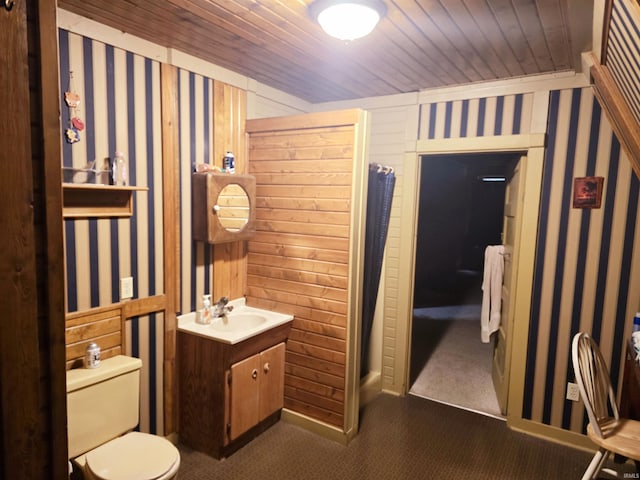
(271, 376)
(244, 404)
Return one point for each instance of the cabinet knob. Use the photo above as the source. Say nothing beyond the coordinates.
(254, 374)
(266, 367)
(216, 209)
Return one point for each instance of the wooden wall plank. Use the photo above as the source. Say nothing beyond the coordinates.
(339, 269)
(29, 364)
(299, 258)
(171, 222)
(229, 115)
(53, 261)
(314, 387)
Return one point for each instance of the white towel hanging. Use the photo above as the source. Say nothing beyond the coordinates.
(491, 291)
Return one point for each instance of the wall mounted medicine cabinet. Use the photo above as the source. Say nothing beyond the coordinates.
(223, 207)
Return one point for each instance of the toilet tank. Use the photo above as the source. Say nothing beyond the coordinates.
(102, 402)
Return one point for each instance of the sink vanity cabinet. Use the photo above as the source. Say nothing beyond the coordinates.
(229, 393)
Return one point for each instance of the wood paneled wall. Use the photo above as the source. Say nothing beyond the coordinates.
(299, 259)
(104, 326)
(32, 395)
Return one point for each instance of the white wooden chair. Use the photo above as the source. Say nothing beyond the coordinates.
(606, 429)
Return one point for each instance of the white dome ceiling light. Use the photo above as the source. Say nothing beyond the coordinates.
(347, 19)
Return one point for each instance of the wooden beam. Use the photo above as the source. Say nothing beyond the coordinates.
(171, 219)
(144, 306)
(619, 114)
(55, 265)
(23, 426)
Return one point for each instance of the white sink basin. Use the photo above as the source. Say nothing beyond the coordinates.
(241, 323)
(238, 322)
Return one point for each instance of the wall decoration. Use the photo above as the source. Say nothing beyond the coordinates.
(76, 125)
(587, 192)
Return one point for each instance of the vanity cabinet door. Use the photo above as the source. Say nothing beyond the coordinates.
(271, 380)
(244, 390)
(256, 389)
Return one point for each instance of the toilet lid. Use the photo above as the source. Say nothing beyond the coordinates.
(134, 456)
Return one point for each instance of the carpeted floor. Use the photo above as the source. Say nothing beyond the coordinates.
(400, 438)
(449, 363)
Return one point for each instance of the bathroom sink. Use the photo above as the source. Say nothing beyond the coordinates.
(241, 323)
(238, 322)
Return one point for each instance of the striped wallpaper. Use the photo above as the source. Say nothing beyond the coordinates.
(623, 51)
(478, 117)
(120, 106)
(584, 280)
(195, 98)
(583, 274)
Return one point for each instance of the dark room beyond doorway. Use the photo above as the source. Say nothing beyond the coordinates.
(460, 213)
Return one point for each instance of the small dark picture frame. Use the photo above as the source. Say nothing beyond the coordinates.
(587, 192)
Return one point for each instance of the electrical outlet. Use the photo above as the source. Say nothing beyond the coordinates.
(126, 288)
(573, 393)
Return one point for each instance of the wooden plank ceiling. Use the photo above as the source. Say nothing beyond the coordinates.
(419, 44)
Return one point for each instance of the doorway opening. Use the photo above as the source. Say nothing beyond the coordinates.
(461, 212)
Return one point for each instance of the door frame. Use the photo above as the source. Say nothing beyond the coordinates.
(532, 147)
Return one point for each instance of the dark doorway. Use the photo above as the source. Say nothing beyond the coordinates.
(461, 213)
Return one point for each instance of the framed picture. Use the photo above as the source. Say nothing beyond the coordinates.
(587, 192)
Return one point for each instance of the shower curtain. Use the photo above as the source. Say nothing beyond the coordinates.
(380, 192)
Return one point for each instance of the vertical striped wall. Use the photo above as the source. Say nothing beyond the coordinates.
(478, 117)
(195, 125)
(584, 280)
(623, 51)
(120, 106)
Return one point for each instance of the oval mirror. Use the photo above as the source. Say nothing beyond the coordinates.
(233, 207)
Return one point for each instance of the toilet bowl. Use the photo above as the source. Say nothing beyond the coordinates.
(136, 455)
(102, 411)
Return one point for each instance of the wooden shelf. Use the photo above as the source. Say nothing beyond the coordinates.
(89, 200)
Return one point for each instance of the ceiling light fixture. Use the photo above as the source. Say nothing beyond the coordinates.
(347, 19)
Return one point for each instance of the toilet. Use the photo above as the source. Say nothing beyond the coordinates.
(102, 410)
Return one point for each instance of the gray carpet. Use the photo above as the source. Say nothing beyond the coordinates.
(449, 363)
(400, 438)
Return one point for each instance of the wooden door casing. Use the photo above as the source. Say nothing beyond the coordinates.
(510, 239)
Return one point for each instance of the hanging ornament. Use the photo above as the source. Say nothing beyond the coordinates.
(71, 99)
(77, 124)
(72, 135)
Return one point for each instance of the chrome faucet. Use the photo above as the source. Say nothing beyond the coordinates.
(221, 308)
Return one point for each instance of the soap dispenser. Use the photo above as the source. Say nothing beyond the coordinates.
(204, 315)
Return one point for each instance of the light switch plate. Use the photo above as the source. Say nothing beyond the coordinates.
(126, 288)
